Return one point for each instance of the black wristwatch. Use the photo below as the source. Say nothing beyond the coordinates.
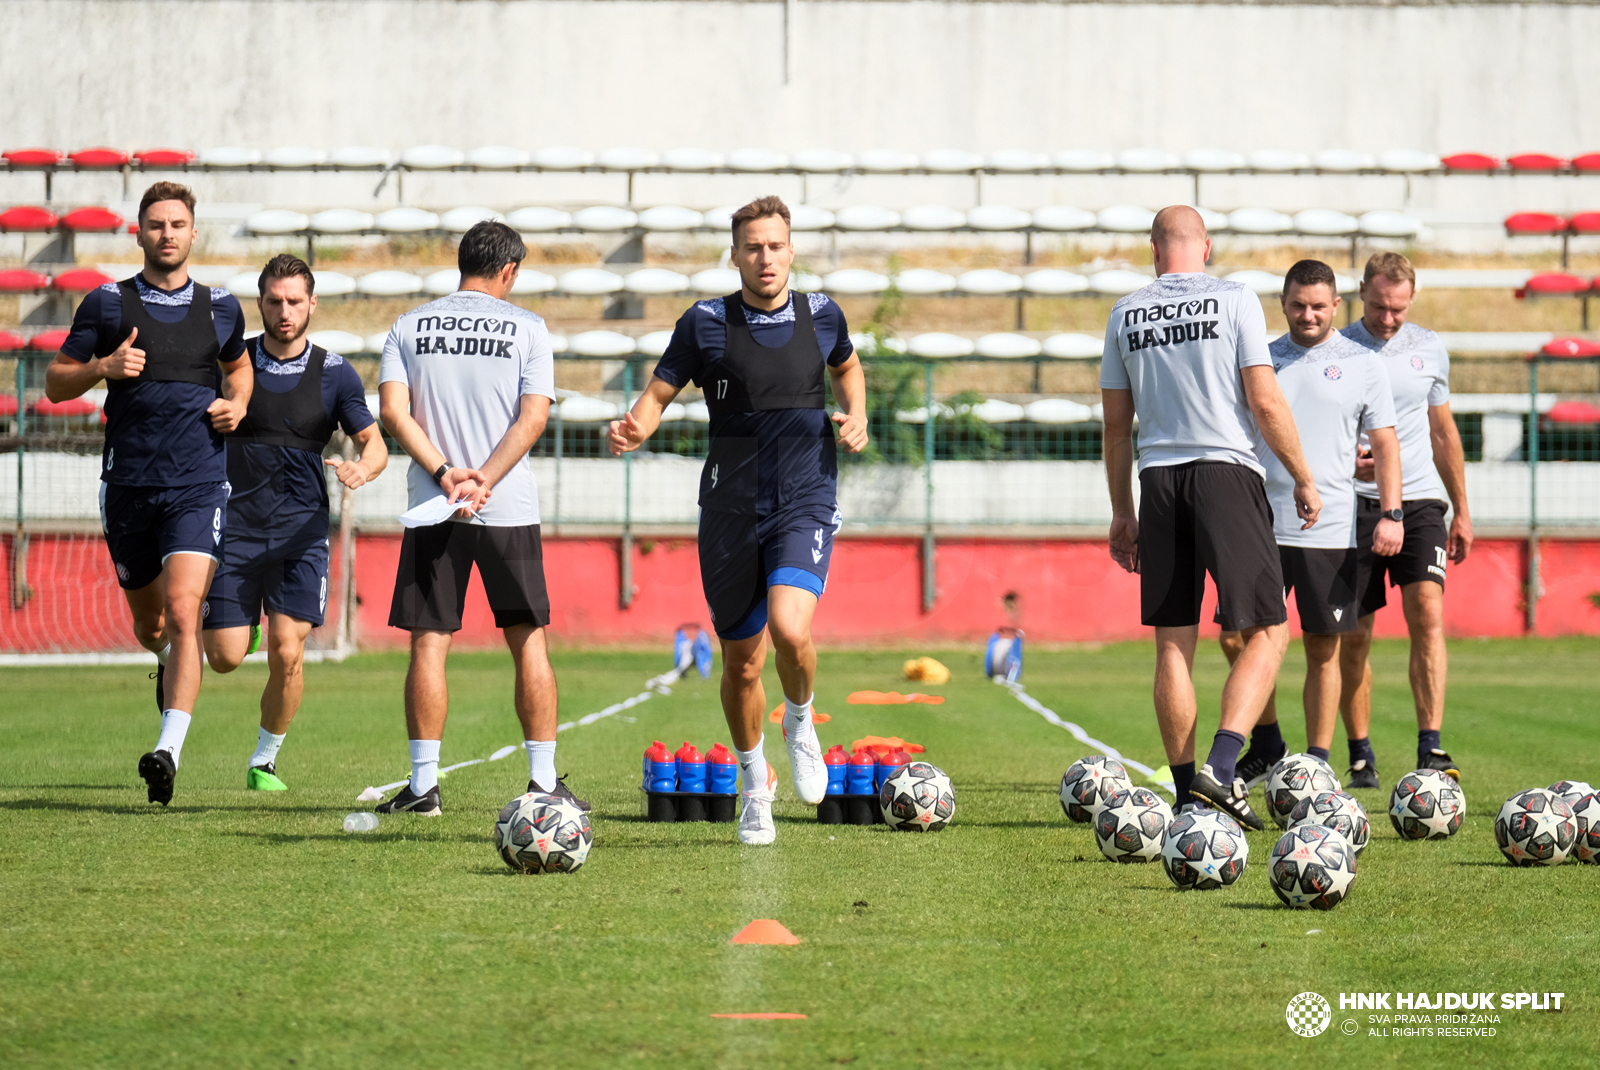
(1397, 515)
(438, 474)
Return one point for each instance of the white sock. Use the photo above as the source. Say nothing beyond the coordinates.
(267, 746)
(796, 714)
(174, 727)
(163, 654)
(542, 762)
(753, 765)
(424, 765)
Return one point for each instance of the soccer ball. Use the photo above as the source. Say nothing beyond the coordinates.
(1535, 828)
(1296, 777)
(1427, 805)
(1088, 781)
(1312, 866)
(917, 798)
(539, 833)
(1337, 810)
(1586, 811)
(1130, 824)
(1203, 849)
(1571, 791)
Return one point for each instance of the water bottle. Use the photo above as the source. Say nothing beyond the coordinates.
(691, 769)
(662, 768)
(859, 772)
(837, 762)
(722, 771)
(364, 822)
(890, 764)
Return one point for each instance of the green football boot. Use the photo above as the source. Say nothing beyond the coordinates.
(264, 778)
(255, 639)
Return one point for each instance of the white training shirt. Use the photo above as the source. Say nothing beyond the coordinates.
(1179, 345)
(467, 360)
(1336, 390)
(1419, 374)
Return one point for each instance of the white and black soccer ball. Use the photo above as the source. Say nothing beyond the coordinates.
(1535, 828)
(1572, 790)
(917, 798)
(1339, 811)
(539, 833)
(1130, 824)
(1427, 805)
(1296, 777)
(1204, 849)
(1586, 812)
(1312, 867)
(1087, 782)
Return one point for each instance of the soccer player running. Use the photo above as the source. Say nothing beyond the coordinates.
(465, 387)
(157, 340)
(1188, 355)
(1336, 391)
(1431, 468)
(277, 549)
(768, 493)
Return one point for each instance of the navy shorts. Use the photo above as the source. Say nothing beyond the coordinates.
(741, 556)
(291, 581)
(146, 525)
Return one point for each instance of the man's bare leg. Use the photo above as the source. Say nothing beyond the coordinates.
(744, 702)
(537, 701)
(166, 617)
(427, 708)
(1253, 677)
(1321, 694)
(789, 613)
(1266, 739)
(1423, 602)
(1355, 703)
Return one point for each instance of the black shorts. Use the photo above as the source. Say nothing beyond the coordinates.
(1421, 556)
(430, 587)
(742, 555)
(146, 525)
(1324, 586)
(292, 581)
(1207, 516)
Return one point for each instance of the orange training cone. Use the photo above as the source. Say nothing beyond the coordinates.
(765, 931)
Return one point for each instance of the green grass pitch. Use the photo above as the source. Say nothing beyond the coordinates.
(249, 930)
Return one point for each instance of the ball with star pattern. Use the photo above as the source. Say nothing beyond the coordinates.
(917, 798)
(1312, 867)
(1204, 850)
(1087, 782)
(1535, 828)
(1129, 825)
(539, 833)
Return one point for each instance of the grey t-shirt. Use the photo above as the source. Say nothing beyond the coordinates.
(1179, 345)
(1336, 390)
(1419, 374)
(468, 359)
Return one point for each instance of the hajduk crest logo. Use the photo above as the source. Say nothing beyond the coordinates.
(1417, 363)
(1308, 1014)
(1332, 372)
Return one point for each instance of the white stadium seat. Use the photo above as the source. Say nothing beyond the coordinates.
(940, 344)
(855, 281)
(864, 341)
(461, 220)
(924, 281)
(498, 158)
(801, 217)
(691, 159)
(1407, 161)
(1058, 411)
(722, 218)
(228, 156)
(562, 158)
(655, 344)
(886, 160)
(532, 282)
(1261, 283)
(674, 412)
(627, 159)
(432, 157)
(342, 221)
(1278, 160)
(919, 415)
(1211, 160)
(998, 217)
(697, 412)
(932, 217)
(805, 282)
(1389, 225)
(716, 281)
(1071, 344)
(600, 344)
(443, 282)
(988, 281)
(816, 161)
(374, 344)
(1007, 344)
(669, 217)
(1325, 221)
(655, 281)
(994, 411)
(1016, 160)
(1212, 219)
(1118, 282)
(1054, 281)
(389, 284)
(558, 343)
(1343, 160)
(406, 221)
(338, 341)
(276, 221)
(1146, 160)
(757, 160)
(578, 409)
(866, 217)
(294, 156)
(359, 156)
(1083, 160)
(333, 283)
(951, 161)
(1125, 219)
(245, 286)
(1062, 218)
(590, 282)
(539, 220)
(1258, 221)
(1346, 284)
(604, 217)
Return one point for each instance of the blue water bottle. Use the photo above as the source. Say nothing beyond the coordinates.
(691, 769)
(663, 769)
(722, 771)
(859, 773)
(838, 764)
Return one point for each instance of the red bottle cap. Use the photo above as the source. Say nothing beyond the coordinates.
(835, 756)
(658, 752)
(863, 757)
(721, 755)
(688, 753)
(896, 757)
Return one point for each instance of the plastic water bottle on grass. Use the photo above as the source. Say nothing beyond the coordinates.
(363, 822)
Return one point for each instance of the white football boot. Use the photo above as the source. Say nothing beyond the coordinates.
(755, 813)
(805, 762)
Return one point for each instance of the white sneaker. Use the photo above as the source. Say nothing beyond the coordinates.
(755, 816)
(805, 763)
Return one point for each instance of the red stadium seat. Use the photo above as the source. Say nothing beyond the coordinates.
(1554, 283)
(1471, 161)
(92, 219)
(48, 341)
(22, 281)
(164, 157)
(80, 280)
(1574, 412)
(27, 218)
(1589, 161)
(72, 407)
(1535, 223)
(99, 157)
(1578, 348)
(1537, 161)
(11, 340)
(1585, 223)
(8, 405)
(32, 157)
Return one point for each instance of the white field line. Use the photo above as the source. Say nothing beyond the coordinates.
(1020, 693)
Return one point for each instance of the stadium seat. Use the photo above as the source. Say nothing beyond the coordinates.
(854, 281)
(1472, 162)
(374, 344)
(1212, 160)
(79, 281)
(995, 411)
(655, 344)
(655, 281)
(715, 281)
(291, 157)
(924, 281)
(1259, 221)
(1054, 281)
(692, 159)
(1343, 160)
(1083, 160)
(998, 217)
(539, 220)
(627, 158)
(432, 157)
(579, 409)
(334, 221)
(389, 284)
(461, 220)
(1537, 161)
(805, 282)
(1278, 160)
(1261, 283)
(1408, 161)
(589, 282)
(1059, 410)
(282, 221)
(675, 411)
(99, 157)
(498, 158)
(1212, 219)
(1564, 412)
(27, 219)
(406, 221)
(359, 156)
(1118, 282)
(1579, 348)
(1535, 223)
(333, 283)
(988, 281)
(10, 341)
(562, 158)
(245, 286)
(1146, 160)
(951, 161)
(1588, 162)
(932, 217)
(866, 217)
(768, 160)
(338, 341)
(22, 281)
(48, 341)
(32, 157)
(90, 220)
(801, 217)
(530, 281)
(940, 344)
(886, 160)
(670, 218)
(1126, 219)
(70, 409)
(1325, 222)
(8, 404)
(605, 218)
(1554, 283)
(227, 156)
(600, 344)
(1016, 160)
(442, 282)
(697, 412)
(1386, 224)
(1008, 345)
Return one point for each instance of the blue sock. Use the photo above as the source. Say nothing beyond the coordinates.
(1267, 737)
(1427, 740)
(1361, 750)
(1182, 777)
(1224, 755)
(1318, 752)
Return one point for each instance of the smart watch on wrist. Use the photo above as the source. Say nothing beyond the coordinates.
(438, 473)
(1396, 515)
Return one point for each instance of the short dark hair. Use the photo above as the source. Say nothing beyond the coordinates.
(759, 209)
(166, 191)
(286, 266)
(487, 248)
(1311, 273)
